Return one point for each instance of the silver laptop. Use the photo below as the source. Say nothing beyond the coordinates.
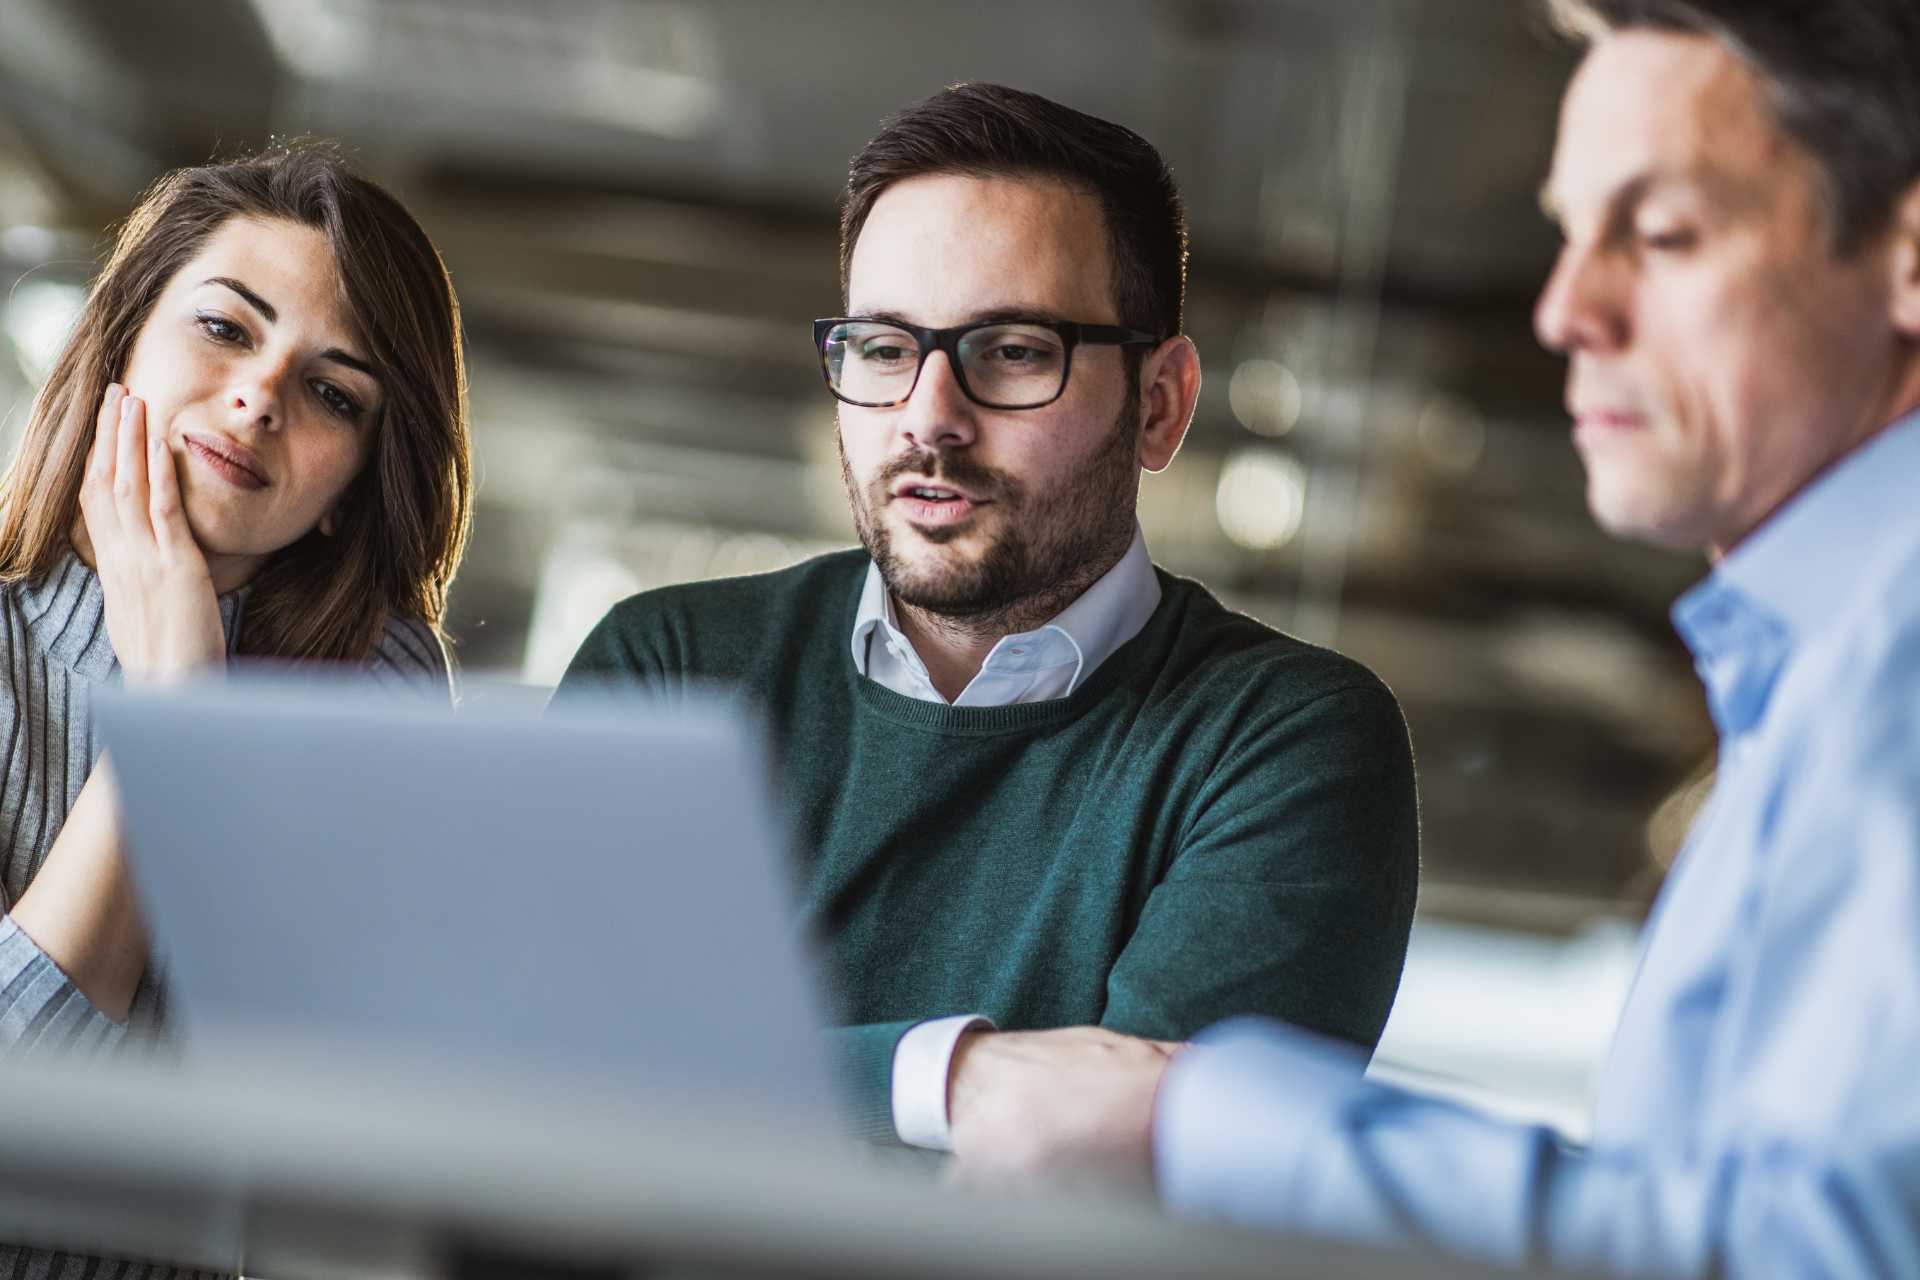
(594, 894)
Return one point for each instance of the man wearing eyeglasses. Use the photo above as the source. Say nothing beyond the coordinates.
(1047, 793)
(1737, 185)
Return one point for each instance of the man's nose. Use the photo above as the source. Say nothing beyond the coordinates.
(1581, 307)
(938, 414)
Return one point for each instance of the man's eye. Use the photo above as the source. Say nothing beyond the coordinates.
(1667, 239)
(1018, 353)
(883, 353)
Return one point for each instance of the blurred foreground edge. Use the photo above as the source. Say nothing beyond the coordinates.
(274, 1169)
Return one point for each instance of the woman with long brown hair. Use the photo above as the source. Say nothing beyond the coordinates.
(254, 443)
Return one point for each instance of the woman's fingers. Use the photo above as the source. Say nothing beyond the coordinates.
(131, 497)
(168, 515)
(96, 484)
(162, 615)
(105, 419)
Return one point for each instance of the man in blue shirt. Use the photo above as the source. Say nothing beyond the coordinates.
(1739, 299)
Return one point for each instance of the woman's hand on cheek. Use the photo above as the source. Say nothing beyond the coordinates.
(162, 615)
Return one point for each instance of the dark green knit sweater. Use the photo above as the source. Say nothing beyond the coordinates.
(1220, 820)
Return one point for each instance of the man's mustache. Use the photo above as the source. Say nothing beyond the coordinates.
(955, 468)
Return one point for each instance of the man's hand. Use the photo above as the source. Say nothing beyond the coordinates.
(1027, 1104)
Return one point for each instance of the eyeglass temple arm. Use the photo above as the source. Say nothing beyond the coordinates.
(1115, 335)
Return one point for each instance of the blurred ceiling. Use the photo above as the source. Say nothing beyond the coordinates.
(637, 200)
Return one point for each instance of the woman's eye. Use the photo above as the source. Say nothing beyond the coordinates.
(338, 402)
(219, 328)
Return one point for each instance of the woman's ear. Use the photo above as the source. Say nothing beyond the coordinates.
(326, 525)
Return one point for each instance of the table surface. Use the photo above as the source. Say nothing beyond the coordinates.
(279, 1169)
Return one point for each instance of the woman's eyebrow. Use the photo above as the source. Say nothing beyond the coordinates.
(254, 300)
(338, 356)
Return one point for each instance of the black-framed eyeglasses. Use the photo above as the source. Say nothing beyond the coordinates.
(999, 364)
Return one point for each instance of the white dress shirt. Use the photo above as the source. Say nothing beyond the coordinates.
(1032, 666)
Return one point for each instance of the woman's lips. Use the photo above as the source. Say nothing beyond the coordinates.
(225, 463)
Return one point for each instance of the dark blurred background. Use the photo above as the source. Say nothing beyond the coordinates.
(637, 199)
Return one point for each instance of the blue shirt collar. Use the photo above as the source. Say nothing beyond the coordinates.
(1800, 572)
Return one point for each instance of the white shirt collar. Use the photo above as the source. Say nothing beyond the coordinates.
(1050, 661)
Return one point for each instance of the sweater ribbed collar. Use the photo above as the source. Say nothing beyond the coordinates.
(66, 617)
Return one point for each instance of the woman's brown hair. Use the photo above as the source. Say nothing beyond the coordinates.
(400, 529)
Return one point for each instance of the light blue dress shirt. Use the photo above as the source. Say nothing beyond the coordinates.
(1760, 1112)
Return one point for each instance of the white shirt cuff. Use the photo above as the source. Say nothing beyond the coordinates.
(922, 1064)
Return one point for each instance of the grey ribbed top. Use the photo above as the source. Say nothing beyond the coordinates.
(53, 651)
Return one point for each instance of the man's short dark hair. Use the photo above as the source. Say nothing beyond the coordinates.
(990, 131)
(1843, 77)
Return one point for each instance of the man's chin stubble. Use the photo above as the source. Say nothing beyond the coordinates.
(979, 588)
(997, 591)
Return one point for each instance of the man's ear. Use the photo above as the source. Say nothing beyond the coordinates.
(1170, 387)
(1905, 294)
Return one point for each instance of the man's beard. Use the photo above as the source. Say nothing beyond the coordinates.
(1050, 546)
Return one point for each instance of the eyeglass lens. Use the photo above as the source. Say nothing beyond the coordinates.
(1006, 365)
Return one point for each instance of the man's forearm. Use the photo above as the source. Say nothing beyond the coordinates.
(1263, 1126)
